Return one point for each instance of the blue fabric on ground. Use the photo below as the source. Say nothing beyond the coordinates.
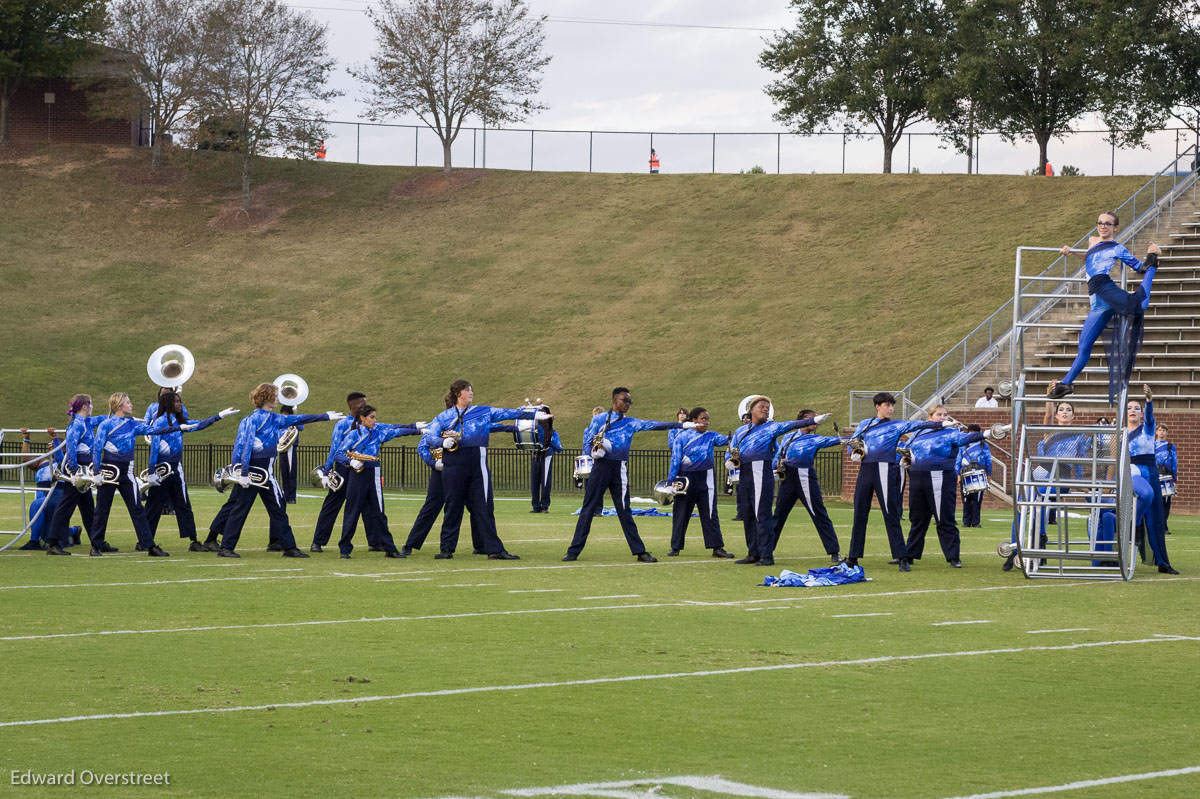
(840, 574)
(634, 511)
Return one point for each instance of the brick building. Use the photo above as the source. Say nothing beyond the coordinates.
(53, 110)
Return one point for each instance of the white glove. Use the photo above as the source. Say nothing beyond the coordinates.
(690, 425)
(449, 443)
(227, 412)
(356, 464)
(187, 428)
(421, 426)
(822, 418)
(335, 416)
(542, 416)
(244, 481)
(153, 479)
(325, 481)
(949, 423)
(599, 452)
(729, 466)
(438, 464)
(856, 457)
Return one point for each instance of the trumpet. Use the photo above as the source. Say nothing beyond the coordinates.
(163, 470)
(231, 475)
(450, 439)
(334, 479)
(358, 456)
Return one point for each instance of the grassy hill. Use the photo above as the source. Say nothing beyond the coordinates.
(689, 289)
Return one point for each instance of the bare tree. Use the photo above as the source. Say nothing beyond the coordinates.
(154, 60)
(445, 60)
(264, 79)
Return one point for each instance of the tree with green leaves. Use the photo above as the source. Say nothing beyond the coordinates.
(265, 78)
(446, 60)
(43, 38)
(849, 64)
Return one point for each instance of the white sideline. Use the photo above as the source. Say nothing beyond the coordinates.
(1074, 786)
(593, 681)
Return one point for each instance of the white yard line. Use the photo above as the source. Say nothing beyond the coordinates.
(536, 590)
(1075, 786)
(970, 621)
(857, 615)
(614, 596)
(596, 681)
(1064, 630)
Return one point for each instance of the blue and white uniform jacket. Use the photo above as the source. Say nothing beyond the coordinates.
(978, 452)
(258, 434)
(80, 440)
(1165, 458)
(1100, 260)
(428, 442)
(756, 442)
(116, 436)
(368, 441)
(937, 450)
(474, 422)
(152, 411)
(340, 428)
(800, 451)
(692, 451)
(880, 436)
(169, 448)
(1141, 440)
(619, 432)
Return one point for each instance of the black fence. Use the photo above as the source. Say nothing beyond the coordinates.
(403, 468)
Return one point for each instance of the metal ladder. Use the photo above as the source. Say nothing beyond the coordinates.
(1076, 490)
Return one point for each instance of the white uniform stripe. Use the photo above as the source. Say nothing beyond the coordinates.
(624, 484)
(802, 471)
(936, 477)
(756, 473)
(183, 483)
(712, 494)
(546, 470)
(378, 484)
(487, 478)
(883, 483)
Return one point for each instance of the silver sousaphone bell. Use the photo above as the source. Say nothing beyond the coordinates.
(171, 365)
(293, 390)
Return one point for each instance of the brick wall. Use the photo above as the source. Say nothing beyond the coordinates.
(1184, 429)
(32, 119)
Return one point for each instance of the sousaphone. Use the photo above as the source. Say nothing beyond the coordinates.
(293, 390)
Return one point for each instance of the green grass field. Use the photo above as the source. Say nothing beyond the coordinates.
(473, 678)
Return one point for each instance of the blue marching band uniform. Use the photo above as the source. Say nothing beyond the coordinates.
(49, 492)
(76, 452)
(933, 490)
(797, 454)
(1147, 488)
(976, 454)
(364, 489)
(173, 490)
(539, 468)
(1166, 457)
(692, 458)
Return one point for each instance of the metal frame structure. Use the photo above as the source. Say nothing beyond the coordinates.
(22, 487)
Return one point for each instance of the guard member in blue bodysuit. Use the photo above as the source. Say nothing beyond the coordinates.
(1140, 432)
(607, 439)
(364, 491)
(754, 445)
(976, 454)
(549, 445)
(173, 489)
(932, 491)
(797, 453)
(49, 491)
(1107, 298)
(334, 500)
(255, 447)
(879, 475)
(466, 479)
(692, 458)
(1167, 459)
(115, 439)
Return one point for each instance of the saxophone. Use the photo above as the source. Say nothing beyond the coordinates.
(597, 442)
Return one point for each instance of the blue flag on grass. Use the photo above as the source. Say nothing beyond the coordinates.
(840, 574)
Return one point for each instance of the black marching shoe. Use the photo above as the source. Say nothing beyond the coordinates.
(720, 552)
(212, 545)
(646, 557)
(155, 551)
(905, 565)
(835, 559)
(1008, 563)
(375, 548)
(104, 546)
(1061, 390)
(95, 553)
(747, 560)
(672, 553)
(405, 551)
(295, 552)
(227, 553)
(568, 558)
(503, 554)
(1167, 570)
(57, 550)
(443, 555)
(395, 553)
(196, 546)
(478, 551)
(956, 564)
(345, 556)
(766, 561)
(535, 510)
(31, 545)
(894, 562)
(274, 546)
(316, 548)
(138, 548)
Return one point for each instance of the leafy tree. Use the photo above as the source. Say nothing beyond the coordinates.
(43, 37)
(263, 77)
(445, 60)
(854, 63)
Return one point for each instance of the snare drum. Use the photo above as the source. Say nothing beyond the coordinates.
(734, 476)
(526, 435)
(1167, 484)
(974, 481)
(583, 466)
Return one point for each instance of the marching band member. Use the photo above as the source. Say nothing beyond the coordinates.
(464, 429)
(287, 463)
(681, 416)
(115, 439)
(692, 458)
(254, 447)
(435, 496)
(48, 494)
(332, 505)
(1140, 431)
(933, 484)
(754, 445)
(549, 445)
(151, 414)
(797, 455)
(740, 512)
(879, 475)
(608, 438)
(1107, 298)
(596, 411)
(173, 489)
(77, 452)
(364, 490)
(974, 454)
(1165, 456)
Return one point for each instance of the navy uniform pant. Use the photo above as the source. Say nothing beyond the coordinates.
(364, 497)
(612, 475)
(58, 531)
(435, 500)
(172, 491)
(801, 484)
(932, 496)
(287, 474)
(539, 479)
(468, 486)
(882, 480)
(242, 500)
(330, 509)
(702, 495)
(756, 494)
(133, 503)
(972, 508)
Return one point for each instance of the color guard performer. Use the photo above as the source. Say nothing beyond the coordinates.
(692, 459)
(795, 459)
(49, 491)
(608, 438)
(255, 448)
(1139, 429)
(77, 453)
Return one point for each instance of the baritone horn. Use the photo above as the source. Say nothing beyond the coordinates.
(171, 365)
(163, 470)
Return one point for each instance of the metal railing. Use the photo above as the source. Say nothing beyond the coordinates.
(981, 347)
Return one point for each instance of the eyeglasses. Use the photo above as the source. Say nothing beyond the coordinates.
(1106, 224)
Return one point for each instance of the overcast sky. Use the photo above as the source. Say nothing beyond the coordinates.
(664, 78)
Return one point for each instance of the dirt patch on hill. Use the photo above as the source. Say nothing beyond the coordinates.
(140, 175)
(434, 183)
(235, 219)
